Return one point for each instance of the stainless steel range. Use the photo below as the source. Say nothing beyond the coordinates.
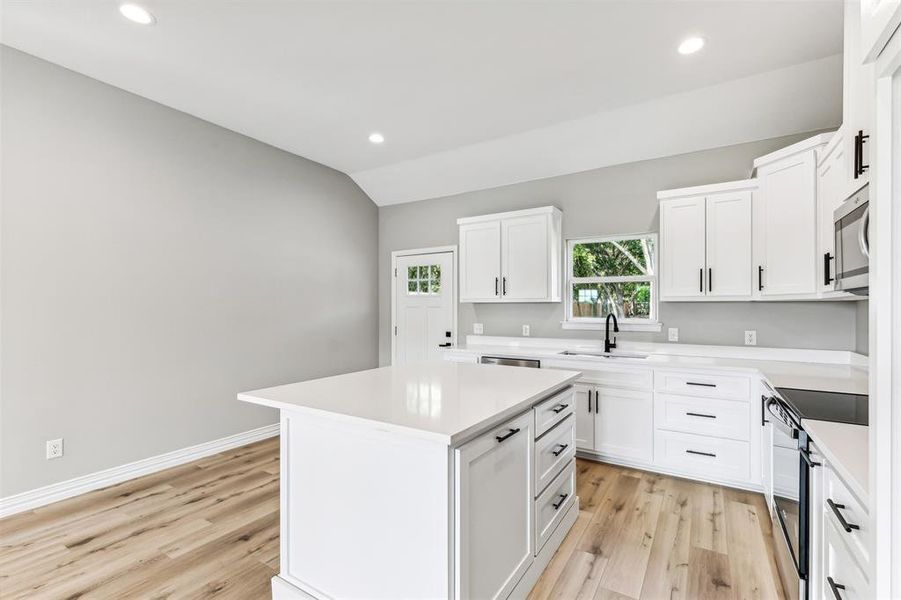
(787, 410)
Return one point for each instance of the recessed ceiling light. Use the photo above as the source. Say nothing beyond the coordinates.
(691, 45)
(376, 137)
(137, 14)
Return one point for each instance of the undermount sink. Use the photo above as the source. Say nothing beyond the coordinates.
(604, 354)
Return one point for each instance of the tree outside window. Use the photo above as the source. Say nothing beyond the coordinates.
(614, 274)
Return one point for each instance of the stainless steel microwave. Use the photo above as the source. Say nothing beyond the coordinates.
(852, 243)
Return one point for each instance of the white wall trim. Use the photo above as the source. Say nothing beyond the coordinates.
(101, 479)
(393, 284)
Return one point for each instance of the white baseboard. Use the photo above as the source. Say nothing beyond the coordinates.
(101, 479)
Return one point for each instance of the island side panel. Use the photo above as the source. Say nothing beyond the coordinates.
(365, 511)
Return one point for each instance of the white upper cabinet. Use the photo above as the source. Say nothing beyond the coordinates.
(729, 245)
(878, 21)
(480, 261)
(785, 221)
(511, 257)
(705, 242)
(682, 255)
(858, 100)
(831, 188)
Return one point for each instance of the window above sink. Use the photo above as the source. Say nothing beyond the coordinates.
(612, 274)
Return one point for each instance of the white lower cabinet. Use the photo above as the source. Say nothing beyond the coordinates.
(584, 398)
(702, 456)
(495, 541)
(624, 424)
(841, 578)
(839, 537)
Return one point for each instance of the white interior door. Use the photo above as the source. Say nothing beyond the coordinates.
(424, 306)
(729, 245)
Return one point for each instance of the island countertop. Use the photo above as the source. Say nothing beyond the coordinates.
(443, 401)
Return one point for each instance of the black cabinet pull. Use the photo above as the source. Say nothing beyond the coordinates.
(563, 498)
(700, 384)
(763, 402)
(701, 280)
(710, 279)
(759, 278)
(859, 167)
(560, 408)
(506, 436)
(447, 345)
(805, 454)
(560, 450)
(827, 278)
(694, 414)
(712, 455)
(835, 587)
(496, 282)
(589, 401)
(597, 399)
(504, 285)
(848, 527)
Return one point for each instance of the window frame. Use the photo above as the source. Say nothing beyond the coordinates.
(652, 323)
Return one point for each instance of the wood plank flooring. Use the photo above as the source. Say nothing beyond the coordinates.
(209, 529)
(640, 536)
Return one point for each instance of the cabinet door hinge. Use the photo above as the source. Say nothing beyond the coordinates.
(395, 272)
(395, 330)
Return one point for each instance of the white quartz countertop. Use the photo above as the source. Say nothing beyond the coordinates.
(847, 449)
(443, 401)
(799, 374)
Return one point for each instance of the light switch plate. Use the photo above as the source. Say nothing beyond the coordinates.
(477, 328)
(751, 338)
(674, 334)
(526, 330)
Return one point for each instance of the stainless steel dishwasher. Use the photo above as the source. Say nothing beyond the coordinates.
(510, 362)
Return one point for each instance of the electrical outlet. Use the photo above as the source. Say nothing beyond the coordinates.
(674, 334)
(526, 330)
(54, 448)
(477, 328)
(751, 338)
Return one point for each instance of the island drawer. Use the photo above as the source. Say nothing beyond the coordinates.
(705, 457)
(553, 451)
(705, 416)
(553, 503)
(703, 384)
(553, 410)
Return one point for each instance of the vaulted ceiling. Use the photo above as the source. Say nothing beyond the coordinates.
(534, 88)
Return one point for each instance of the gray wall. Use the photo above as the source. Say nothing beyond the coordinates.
(153, 265)
(618, 199)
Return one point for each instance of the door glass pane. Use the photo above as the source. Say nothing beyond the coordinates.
(617, 258)
(630, 300)
(411, 272)
(424, 287)
(435, 271)
(423, 272)
(411, 286)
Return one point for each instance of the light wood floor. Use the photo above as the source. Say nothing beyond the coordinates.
(209, 529)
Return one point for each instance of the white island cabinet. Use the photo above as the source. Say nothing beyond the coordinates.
(431, 480)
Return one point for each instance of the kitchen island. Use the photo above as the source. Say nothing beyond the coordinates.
(435, 480)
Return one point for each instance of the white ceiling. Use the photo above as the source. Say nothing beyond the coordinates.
(315, 78)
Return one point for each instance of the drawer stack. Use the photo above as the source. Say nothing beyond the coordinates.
(702, 425)
(846, 540)
(554, 464)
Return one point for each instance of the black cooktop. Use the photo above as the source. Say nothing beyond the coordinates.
(828, 406)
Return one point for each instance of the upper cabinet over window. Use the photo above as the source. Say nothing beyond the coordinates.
(511, 257)
(705, 235)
